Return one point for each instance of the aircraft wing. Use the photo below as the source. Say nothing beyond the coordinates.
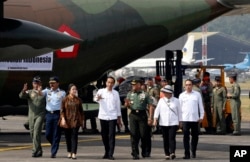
(228, 66)
(234, 2)
(242, 68)
(214, 72)
(241, 6)
(15, 38)
(200, 61)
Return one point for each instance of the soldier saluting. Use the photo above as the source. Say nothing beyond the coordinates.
(138, 100)
(36, 104)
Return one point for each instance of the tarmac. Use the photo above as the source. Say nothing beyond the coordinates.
(15, 145)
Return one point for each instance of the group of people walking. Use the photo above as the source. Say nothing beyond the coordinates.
(168, 112)
(149, 107)
(59, 109)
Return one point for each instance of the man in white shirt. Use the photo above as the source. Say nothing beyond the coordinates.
(168, 111)
(192, 114)
(109, 115)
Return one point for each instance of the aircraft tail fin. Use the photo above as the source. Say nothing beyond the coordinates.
(247, 59)
(188, 49)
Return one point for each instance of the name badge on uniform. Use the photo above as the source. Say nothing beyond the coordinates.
(142, 97)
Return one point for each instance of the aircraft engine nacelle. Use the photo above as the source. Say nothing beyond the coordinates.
(25, 39)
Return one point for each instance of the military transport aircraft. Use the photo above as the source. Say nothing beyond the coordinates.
(114, 33)
(147, 66)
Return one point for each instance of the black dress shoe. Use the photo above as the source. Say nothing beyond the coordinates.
(37, 154)
(33, 154)
(186, 157)
(111, 158)
(105, 156)
(193, 154)
(53, 156)
(144, 155)
(236, 134)
(136, 157)
(127, 131)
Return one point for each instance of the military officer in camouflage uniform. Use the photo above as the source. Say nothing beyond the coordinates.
(235, 103)
(137, 101)
(218, 103)
(153, 89)
(36, 114)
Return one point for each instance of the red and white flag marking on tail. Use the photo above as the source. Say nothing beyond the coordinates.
(71, 51)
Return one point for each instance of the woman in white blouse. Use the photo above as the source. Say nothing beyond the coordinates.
(168, 112)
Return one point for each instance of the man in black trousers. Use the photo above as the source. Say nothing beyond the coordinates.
(192, 114)
(109, 115)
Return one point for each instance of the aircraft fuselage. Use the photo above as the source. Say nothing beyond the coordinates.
(114, 33)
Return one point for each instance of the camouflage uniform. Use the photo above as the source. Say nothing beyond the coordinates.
(138, 120)
(154, 93)
(218, 103)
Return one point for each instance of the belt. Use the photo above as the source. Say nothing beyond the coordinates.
(53, 112)
(138, 111)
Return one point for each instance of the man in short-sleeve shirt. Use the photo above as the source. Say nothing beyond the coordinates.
(137, 101)
(54, 97)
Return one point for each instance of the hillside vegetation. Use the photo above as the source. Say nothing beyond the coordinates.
(236, 26)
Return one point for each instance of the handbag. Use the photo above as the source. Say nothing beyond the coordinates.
(63, 125)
